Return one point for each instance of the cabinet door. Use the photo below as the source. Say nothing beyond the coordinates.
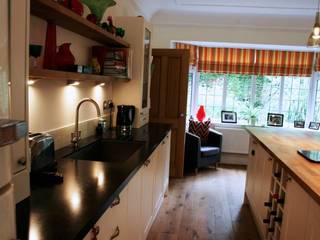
(166, 155)
(159, 177)
(113, 222)
(134, 206)
(295, 213)
(313, 222)
(148, 172)
(250, 170)
(265, 185)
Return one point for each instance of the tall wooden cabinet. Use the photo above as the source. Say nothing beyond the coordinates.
(138, 34)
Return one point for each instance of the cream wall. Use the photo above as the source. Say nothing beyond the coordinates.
(163, 34)
(52, 104)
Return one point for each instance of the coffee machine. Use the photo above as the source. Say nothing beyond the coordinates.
(125, 117)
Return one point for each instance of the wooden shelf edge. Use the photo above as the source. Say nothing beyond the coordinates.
(66, 18)
(45, 74)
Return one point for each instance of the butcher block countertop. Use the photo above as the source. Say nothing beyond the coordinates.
(283, 143)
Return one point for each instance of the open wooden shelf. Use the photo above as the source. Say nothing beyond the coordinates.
(45, 74)
(66, 18)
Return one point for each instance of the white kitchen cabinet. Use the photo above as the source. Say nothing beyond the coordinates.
(113, 223)
(250, 180)
(265, 186)
(165, 154)
(148, 180)
(136, 91)
(313, 221)
(294, 224)
(140, 200)
(134, 206)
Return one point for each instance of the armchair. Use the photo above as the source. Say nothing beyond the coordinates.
(202, 155)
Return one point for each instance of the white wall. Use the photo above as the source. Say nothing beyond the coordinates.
(51, 103)
(232, 28)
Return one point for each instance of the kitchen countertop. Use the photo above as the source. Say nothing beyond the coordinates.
(283, 145)
(69, 210)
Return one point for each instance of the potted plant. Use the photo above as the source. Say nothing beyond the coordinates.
(251, 113)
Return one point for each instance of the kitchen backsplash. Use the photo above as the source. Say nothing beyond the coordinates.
(62, 136)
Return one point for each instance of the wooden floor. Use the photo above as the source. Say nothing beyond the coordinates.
(206, 206)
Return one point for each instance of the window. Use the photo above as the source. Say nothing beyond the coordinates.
(295, 98)
(317, 103)
(210, 93)
(252, 96)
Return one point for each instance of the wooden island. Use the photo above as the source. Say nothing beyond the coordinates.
(282, 187)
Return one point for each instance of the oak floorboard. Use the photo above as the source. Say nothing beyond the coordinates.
(208, 206)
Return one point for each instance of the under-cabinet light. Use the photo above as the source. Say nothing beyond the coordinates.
(101, 84)
(31, 82)
(73, 83)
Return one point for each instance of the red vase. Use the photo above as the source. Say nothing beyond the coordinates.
(50, 48)
(64, 57)
(201, 114)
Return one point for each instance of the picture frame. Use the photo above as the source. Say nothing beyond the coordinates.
(299, 124)
(228, 117)
(314, 125)
(275, 119)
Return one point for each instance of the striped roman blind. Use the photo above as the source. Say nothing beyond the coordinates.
(193, 52)
(251, 61)
(226, 60)
(283, 63)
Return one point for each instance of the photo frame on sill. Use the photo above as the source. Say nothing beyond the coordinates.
(299, 124)
(314, 125)
(275, 120)
(228, 117)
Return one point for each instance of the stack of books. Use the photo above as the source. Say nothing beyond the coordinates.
(115, 63)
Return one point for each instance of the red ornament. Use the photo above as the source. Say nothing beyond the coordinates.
(64, 58)
(92, 18)
(50, 47)
(76, 6)
(201, 114)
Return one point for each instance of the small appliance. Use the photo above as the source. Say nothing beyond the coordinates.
(43, 163)
(125, 118)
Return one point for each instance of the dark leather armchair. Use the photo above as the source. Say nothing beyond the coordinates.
(197, 155)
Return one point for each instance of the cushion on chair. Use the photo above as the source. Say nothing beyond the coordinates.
(201, 129)
(209, 151)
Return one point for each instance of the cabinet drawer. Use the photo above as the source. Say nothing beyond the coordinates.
(112, 224)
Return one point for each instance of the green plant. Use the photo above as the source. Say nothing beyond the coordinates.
(250, 111)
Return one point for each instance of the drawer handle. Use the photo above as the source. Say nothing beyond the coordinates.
(163, 142)
(22, 161)
(115, 234)
(115, 202)
(270, 159)
(95, 232)
(147, 162)
(253, 152)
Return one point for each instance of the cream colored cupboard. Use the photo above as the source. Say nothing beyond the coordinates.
(131, 215)
(136, 91)
(302, 215)
(297, 217)
(148, 172)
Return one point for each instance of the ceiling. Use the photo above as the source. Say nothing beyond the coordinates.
(151, 8)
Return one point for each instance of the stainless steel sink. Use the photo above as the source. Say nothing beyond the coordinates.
(108, 151)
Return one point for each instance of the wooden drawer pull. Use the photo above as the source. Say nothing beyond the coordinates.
(269, 159)
(115, 202)
(95, 232)
(115, 234)
(147, 162)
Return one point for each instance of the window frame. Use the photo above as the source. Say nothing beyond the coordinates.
(310, 100)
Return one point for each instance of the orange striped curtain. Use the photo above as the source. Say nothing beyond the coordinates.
(226, 60)
(193, 52)
(283, 63)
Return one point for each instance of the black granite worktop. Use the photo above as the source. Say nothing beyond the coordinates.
(69, 210)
